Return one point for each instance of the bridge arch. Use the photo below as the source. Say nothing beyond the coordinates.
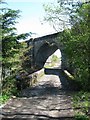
(46, 50)
(42, 48)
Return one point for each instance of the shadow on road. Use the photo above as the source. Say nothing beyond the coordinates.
(47, 87)
(47, 100)
(60, 74)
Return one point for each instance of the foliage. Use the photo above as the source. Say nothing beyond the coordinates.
(59, 14)
(77, 47)
(54, 15)
(81, 117)
(3, 99)
(52, 61)
(81, 103)
(11, 50)
(76, 41)
(26, 60)
(54, 58)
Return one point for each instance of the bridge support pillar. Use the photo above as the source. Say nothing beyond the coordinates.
(63, 61)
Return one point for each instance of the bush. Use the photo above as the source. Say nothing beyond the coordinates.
(76, 42)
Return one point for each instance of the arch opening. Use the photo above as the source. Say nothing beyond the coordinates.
(51, 59)
(54, 61)
(48, 55)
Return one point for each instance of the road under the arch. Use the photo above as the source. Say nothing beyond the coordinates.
(45, 100)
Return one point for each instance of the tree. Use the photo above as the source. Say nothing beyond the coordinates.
(11, 49)
(80, 33)
(76, 40)
(61, 13)
(55, 16)
(9, 38)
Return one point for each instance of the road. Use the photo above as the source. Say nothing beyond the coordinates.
(45, 100)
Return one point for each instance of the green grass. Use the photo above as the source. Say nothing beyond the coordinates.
(81, 104)
(81, 117)
(3, 99)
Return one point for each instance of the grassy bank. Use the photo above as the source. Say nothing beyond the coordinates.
(81, 104)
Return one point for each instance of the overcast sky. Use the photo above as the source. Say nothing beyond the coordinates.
(32, 14)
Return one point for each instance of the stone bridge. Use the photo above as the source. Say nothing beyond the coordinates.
(43, 47)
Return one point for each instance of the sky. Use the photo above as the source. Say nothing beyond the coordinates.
(32, 15)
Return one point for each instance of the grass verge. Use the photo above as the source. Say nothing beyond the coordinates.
(81, 104)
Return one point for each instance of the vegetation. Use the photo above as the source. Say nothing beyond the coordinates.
(77, 47)
(81, 103)
(11, 50)
(27, 60)
(75, 38)
(76, 41)
(52, 61)
(54, 58)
